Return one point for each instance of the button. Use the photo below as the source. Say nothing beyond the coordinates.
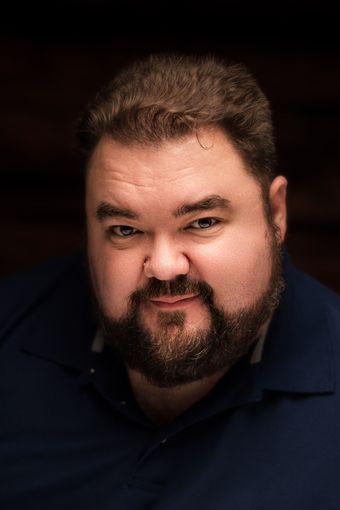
(92, 370)
(164, 440)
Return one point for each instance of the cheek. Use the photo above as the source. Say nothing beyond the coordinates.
(237, 267)
(115, 275)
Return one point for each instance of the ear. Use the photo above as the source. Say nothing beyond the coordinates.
(277, 197)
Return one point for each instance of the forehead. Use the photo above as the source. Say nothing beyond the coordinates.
(173, 172)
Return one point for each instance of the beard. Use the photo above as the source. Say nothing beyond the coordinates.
(174, 355)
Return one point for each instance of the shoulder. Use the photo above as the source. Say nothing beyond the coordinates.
(22, 292)
(312, 290)
(316, 303)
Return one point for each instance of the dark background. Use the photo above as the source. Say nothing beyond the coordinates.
(55, 57)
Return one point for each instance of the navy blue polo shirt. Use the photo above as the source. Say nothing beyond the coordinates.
(72, 436)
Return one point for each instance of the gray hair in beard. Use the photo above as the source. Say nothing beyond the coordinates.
(172, 356)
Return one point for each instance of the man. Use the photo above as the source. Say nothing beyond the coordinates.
(186, 364)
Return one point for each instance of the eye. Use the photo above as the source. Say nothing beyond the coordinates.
(204, 223)
(122, 231)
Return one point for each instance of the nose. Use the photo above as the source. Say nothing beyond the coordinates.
(166, 261)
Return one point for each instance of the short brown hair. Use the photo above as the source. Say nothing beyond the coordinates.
(170, 96)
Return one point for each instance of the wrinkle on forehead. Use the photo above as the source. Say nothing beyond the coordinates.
(139, 173)
(146, 179)
(167, 161)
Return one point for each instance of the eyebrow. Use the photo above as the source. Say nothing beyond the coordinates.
(106, 210)
(207, 203)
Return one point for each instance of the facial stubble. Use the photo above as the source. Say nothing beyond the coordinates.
(172, 355)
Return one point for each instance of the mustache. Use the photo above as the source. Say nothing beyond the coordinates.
(180, 286)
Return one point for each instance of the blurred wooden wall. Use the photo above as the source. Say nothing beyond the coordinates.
(47, 75)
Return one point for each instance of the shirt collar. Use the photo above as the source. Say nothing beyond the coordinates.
(61, 326)
(298, 352)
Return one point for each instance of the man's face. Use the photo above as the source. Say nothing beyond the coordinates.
(176, 233)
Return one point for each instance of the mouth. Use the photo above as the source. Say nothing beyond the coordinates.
(170, 302)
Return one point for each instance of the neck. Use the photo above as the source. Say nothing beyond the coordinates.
(163, 405)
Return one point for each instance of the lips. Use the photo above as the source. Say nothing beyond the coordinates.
(173, 299)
